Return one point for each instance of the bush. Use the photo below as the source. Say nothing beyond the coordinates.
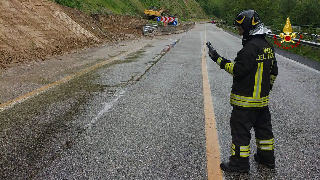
(70, 3)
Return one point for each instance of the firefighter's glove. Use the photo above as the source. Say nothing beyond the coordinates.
(214, 55)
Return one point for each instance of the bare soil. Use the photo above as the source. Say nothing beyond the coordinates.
(33, 30)
(42, 42)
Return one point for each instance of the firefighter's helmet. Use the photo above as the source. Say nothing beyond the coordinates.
(248, 20)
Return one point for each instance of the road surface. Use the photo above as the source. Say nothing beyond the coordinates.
(142, 114)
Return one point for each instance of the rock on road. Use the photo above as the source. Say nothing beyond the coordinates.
(142, 116)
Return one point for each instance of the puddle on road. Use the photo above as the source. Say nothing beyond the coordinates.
(149, 46)
(132, 57)
(136, 55)
(78, 90)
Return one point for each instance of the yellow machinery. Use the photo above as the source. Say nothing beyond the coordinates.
(153, 13)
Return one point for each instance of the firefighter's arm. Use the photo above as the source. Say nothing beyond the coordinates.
(273, 73)
(244, 62)
(227, 65)
(222, 62)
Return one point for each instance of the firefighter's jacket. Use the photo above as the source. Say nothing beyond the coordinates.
(254, 71)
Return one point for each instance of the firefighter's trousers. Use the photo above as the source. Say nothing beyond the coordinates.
(241, 122)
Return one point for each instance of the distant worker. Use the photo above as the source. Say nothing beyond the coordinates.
(254, 71)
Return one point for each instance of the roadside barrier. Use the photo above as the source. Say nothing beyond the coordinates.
(168, 47)
(149, 28)
(154, 29)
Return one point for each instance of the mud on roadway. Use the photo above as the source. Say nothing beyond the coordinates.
(42, 42)
(33, 30)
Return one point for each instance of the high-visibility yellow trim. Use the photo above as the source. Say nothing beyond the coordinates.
(233, 146)
(272, 79)
(250, 105)
(245, 148)
(249, 99)
(244, 151)
(233, 149)
(243, 101)
(233, 152)
(253, 23)
(268, 141)
(241, 21)
(244, 154)
(219, 60)
(229, 68)
(258, 81)
(266, 147)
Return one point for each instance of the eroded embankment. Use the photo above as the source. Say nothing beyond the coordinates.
(35, 29)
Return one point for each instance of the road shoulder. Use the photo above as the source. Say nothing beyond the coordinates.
(24, 78)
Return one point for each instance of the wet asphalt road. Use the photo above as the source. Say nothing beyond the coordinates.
(142, 117)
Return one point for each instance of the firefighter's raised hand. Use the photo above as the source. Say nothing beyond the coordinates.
(214, 55)
(212, 52)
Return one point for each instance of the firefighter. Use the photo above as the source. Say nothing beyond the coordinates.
(254, 71)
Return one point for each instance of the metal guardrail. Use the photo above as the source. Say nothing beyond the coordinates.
(308, 43)
(316, 37)
(149, 28)
(154, 29)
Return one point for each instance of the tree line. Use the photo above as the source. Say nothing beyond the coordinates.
(272, 12)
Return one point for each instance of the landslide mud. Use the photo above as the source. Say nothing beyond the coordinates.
(37, 29)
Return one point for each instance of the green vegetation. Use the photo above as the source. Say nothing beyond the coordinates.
(183, 9)
(273, 12)
(129, 7)
(305, 13)
(303, 50)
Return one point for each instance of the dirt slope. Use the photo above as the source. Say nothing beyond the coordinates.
(34, 29)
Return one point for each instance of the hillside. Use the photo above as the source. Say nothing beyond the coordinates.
(35, 29)
(182, 8)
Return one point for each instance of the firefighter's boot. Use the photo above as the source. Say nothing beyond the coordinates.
(239, 160)
(265, 153)
(236, 164)
(266, 158)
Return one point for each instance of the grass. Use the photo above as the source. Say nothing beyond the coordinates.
(190, 9)
(127, 7)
